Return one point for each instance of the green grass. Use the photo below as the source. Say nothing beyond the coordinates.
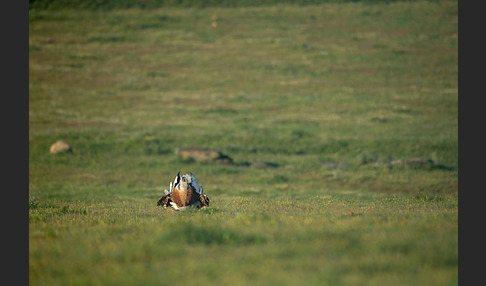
(319, 91)
(329, 239)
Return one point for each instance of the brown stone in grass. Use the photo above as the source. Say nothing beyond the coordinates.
(60, 146)
(205, 155)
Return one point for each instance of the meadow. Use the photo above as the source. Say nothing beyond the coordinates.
(325, 93)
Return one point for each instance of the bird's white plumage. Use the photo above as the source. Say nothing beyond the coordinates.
(174, 205)
(176, 181)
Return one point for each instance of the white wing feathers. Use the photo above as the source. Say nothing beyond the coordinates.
(195, 184)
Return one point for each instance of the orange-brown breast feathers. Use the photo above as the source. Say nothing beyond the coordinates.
(179, 197)
(184, 197)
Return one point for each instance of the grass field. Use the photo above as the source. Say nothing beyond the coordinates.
(324, 93)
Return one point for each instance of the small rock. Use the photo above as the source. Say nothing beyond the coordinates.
(414, 163)
(410, 163)
(60, 146)
(205, 155)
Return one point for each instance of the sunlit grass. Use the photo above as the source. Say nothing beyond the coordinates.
(320, 93)
(336, 238)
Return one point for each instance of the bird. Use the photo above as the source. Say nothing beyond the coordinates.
(184, 192)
